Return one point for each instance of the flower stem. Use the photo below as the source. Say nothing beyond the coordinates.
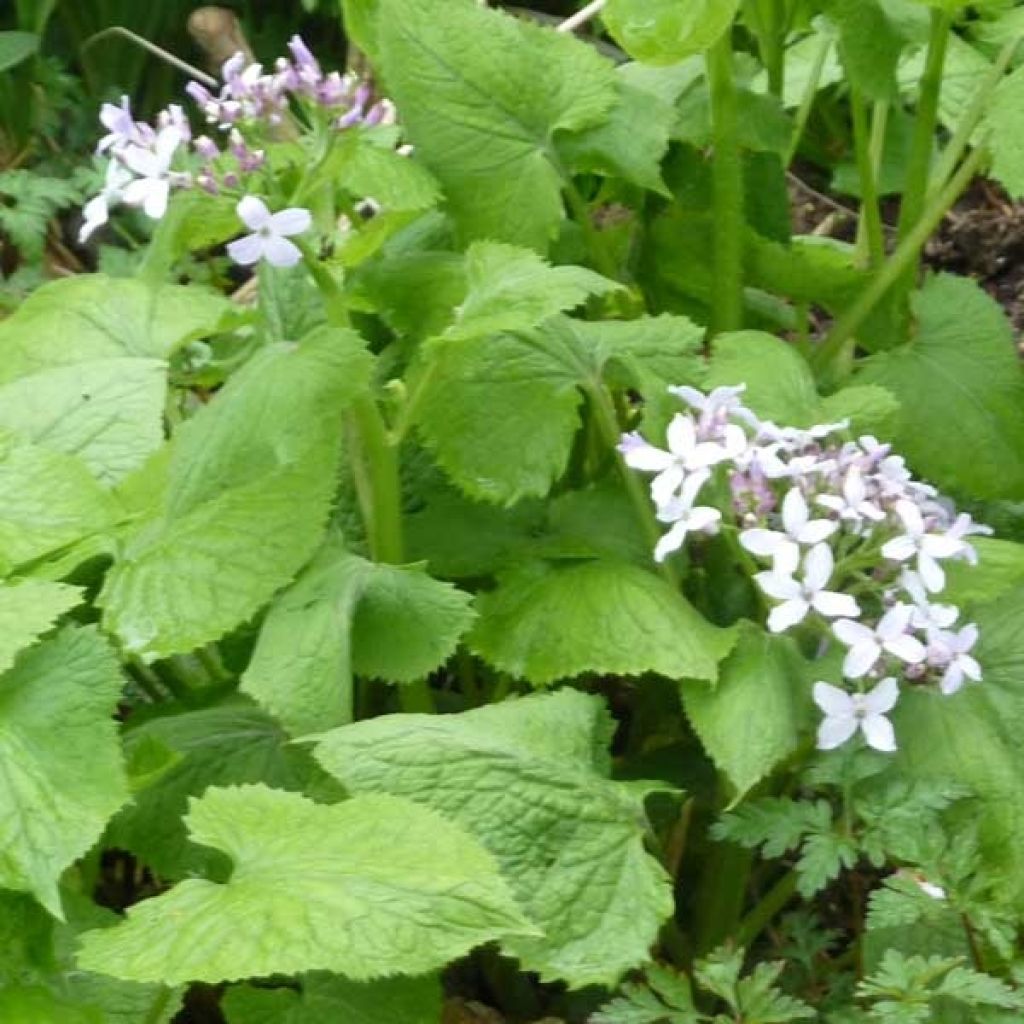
(871, 217)
(770, 904)
(727, 293)
(831, 349)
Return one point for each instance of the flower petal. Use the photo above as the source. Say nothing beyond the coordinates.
(860, 659)
(638, 454)
(851, 632)
(910, 515)
(818, 567)
(834, 732)
(794, 511)
(894, 622)
(682, 436)
(247, 250)
(157, 195)
(907, 648)
(666, 483)
(671, 541)
(832, 700)
(279, 252)
(939, 546)
(832, 604)
(253, 212)
(292, 221)
(703, 517)
(878, 732)
(778, 585)
(931, 572)
(899, 549)
(787, 614)
(883, 697)
(763, 543)
(816, 531)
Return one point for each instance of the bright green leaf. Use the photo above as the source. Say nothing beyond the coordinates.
(961, 392)
(545, 624)
(28, 608)
(481, 95)
(664, 31)
(372, 886)
(1004, 136)
(763, 672)
(870, 45)
(395, 181)
(63, 774)
(1000, 568)
(16, 47)
(529, 779)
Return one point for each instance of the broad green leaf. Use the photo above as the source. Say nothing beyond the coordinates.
(499, 414)
(108, 412)
(36, 1005)
(16, 47)
(545, 624)
(346, 614)
(630, 143)
(63, 774)
(28, 608)
(395, 181)
(481, 95)
(961, 392)
(1004, 137)
(1000, 568)
(108, 318)
(513, 289)
(869, 408)
(763, 672)
(664, 31)
(372, 886)
(963, 74)
(250, 483)
(973, 738)
(47, 500)
(870, 45)
(325, 998)
(228, 744)
(529, 778)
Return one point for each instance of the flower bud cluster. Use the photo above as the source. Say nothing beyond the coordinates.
(851, 546)
(148, 161)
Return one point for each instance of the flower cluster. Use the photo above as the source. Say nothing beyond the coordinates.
(146, 162)
(851, 547)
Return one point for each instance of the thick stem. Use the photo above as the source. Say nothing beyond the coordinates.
(607, 422)
(727, 295)
(904, 256)
(871, 217)
(380, 460)
(915, 189)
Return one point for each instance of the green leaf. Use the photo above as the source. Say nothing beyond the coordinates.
(108, 318)
(629, 143)
(869, 408)
(765, 672)
(481, 95)
(973, 739)
(396, 182)
(250, 481)
(665, 999)
(544, 624)
(512, 289)
(569, 840)
(961, 392)
(1002, 124)
(63, 775)
(663, 31)
(16, 47)
(36, 1005)
(373, 886)
(28, 608)
(47, 501)
(324, 998)
(227, 744)
(346, 614)
(1000, 568)
(870, 45)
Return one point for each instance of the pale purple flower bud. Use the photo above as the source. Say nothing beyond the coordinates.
(206, 147)
(208, 183)
(301, 53)
(231, 180)
(200, 95)
(333, 90)
(353, 117)
(232, 67)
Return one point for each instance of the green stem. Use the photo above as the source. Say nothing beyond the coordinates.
(380, 460)
(608, 424)
(871, 217)
(770, 904)
(722, 889)
(727, 294)
(803, 112)
(146, 679)
(159, 1007)
(903, 257)
(972, 117)
(915, 189)
(600, 257)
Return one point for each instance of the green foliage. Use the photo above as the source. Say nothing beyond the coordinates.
(372, 886)
(29, 201)
(569, 840)
(662, 32)
(28, 608)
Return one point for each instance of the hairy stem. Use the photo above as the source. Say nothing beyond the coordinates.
(727, 293)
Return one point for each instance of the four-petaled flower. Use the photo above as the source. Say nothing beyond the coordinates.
(845, 713)
(121, 127)
(153, 186)
(799, 597)
(797, 528)
(853, 505)
(685, 455)
(952, 651)
(97, 211)
(685, 517)
(867, 644)
(928, 547)
(270, 234)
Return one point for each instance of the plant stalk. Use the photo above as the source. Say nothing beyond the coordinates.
(770, 904)
(727, 293)
(871, 217)
(803, 112)
(903, 257)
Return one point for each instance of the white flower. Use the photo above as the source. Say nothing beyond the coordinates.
(685, 455)
(951, 651)
(798, 598)
(928, 547)
(270, 232)
(153, 186)
(717, 405)
(685, 517)
(797, 526)
(853, 505)
(97, 211)
(121, 128)
(927, 615)
(867, 644)
(845, 713)
(964, 526)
